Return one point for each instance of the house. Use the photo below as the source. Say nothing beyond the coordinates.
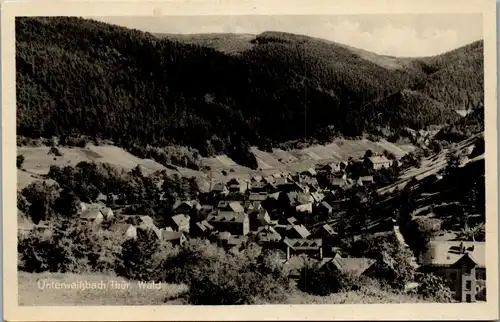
(180, 222)
(329, 237)
(235, 242)
(220, 189)
(237, 223)
(205, 211)
(228, 205)
(253, 206)
(366, 180)
(268, 179)
(257, 196)
(351, 265)
(463, 264)
(325, 208)
(187, 207)
(278, 182)
(311, 183)
(317, 196)
(293, 231)
(310, 247)
(378, 162)
(101, 198)
(310, 172)
(255, 178)
(331, 167)
(107, 213)
(148, 223)
(258, 187)
(267, 236)
(338, 183)
(201, 229)
(93, 216)
(174, 237)
(236, 185)
(128, 231)
(258, 218)
(383, 268)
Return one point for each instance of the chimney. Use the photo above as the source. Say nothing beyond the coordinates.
(287, 252)
(462, 247)
(321, 253)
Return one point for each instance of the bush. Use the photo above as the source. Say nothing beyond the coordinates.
(20, 161)
(217, 277)
(435, 288)
(323, 282)
(55, 151)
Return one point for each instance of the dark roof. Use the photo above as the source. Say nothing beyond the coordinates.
(228, 216)
(302, 243)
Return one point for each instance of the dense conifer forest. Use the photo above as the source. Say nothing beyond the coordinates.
(77, 76)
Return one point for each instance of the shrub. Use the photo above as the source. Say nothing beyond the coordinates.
(435, 288)
(55, 151)
(20, 161)
(34, 251)
(217, 277)
(323, 282)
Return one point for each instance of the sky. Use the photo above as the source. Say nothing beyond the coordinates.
(403, 35)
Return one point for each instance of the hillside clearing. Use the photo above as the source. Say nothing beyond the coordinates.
(38, 160)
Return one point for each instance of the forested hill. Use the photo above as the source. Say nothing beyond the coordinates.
(77, 76)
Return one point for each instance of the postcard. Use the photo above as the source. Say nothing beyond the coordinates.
(249, 160)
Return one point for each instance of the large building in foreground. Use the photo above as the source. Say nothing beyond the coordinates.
(463, 264)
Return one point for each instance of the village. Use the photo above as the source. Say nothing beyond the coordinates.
(298, 215)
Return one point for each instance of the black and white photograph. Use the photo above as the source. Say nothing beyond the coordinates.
(230, 160)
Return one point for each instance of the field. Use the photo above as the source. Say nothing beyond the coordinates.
(32, 291)
(38, 160)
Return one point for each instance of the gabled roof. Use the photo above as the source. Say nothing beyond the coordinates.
(225, 235)
(147, 221)
(120, 227)
(328, 229)
(304, 198)
(228, 216)
(301, 230)
(181, 220)
(236, 206)
(295, 264)
(90, 214)
(302, 243)
(366, 178)
(357, 266)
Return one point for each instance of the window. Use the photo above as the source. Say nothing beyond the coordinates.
(468, 285)
(480, 275)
